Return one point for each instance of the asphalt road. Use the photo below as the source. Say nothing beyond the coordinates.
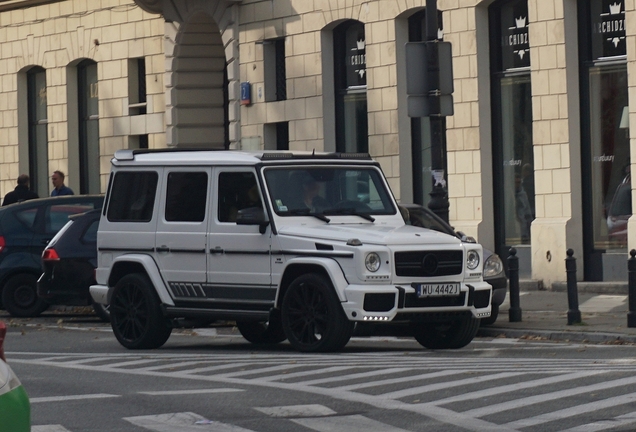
(80, 379)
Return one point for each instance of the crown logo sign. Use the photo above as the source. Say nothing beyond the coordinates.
(520, 22)
(360, 44)
(615, 8)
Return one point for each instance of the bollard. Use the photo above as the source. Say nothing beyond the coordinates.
(574, 314)
(631, 284)
(514, 313)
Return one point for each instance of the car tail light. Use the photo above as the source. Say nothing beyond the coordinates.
(2, 244)
(50, 255)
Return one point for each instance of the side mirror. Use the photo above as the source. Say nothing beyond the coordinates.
(253, 216)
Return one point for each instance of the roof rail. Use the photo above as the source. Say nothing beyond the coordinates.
(288, 155)
(127, 154)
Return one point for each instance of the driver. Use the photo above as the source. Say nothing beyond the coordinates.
(311, 198)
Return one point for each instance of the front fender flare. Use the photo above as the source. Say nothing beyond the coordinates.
(150, 266)
(331, 266)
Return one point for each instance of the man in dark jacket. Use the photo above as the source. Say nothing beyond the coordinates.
(21, 192)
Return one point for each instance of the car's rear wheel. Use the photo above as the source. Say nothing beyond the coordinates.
(446, 335)
(20, 296)
(270, 332)
(135, 315)
(494, 313)
(102, 311)
(312, 316)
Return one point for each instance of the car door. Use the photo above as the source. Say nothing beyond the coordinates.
(239, 271)
(181, 230)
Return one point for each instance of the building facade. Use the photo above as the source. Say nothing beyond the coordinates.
(536, 155)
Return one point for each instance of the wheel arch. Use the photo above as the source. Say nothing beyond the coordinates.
(328, 268)
(133, 263)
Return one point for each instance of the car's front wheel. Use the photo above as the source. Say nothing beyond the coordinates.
(313, 318)
(256, 332)
(135, 314)
(446, 335)
(20, 296)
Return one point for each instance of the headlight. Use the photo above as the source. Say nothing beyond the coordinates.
(372, 262)
(493, 266)
(472, 259)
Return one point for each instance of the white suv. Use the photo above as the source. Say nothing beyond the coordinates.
(290, 246)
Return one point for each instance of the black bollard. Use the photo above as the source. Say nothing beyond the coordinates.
(574, 314)
(631, 284)
(514, 313)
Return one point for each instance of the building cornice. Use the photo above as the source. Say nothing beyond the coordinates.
(8, 5)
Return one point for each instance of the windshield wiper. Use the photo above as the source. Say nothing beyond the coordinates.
(351, 211)
(306, 212)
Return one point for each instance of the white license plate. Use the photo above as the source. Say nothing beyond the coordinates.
(437, 290)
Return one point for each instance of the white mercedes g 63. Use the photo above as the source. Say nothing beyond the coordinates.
(290, 246)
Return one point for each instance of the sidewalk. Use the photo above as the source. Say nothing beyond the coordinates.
(544, 316)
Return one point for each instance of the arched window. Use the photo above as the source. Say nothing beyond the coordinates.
(350, 73)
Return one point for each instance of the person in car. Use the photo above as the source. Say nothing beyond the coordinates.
(21, 191)
(312, 200)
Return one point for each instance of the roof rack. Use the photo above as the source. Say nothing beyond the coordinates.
(288, 155)
(127, 154)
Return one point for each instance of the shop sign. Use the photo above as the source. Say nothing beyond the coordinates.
(515, 44)
(608, 28)
(355, 56)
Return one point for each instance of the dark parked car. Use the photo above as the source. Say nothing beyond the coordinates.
(69, 263)
(25, 229)
(494, 272)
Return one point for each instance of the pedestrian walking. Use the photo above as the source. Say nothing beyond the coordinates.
(59, 188)
(21, 192)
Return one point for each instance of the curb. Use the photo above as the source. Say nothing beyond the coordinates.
(557, 335)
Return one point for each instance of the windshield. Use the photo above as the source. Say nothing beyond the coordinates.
(332, 190)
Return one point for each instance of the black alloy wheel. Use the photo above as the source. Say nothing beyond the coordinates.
(313, 318)
(258, 332)
(135, 314)
(446, 335)
(20, 296)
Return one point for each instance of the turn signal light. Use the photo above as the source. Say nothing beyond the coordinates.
(50, 255)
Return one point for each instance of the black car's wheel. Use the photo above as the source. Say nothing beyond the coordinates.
(313, 319)
(270, 332)
(20, 296)
(135, 314)
(102, 311)
(494, 313)
(446, 335)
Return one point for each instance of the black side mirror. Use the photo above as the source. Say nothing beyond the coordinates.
(253, 216)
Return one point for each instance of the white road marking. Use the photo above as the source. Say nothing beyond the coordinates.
(309, 373)
(312, 410)
(69, 398)
(192, 391)
(435, 374)
(352, 423)
(601, 425)
(574, 411)
(182, 422)
(523, 402)
(373, 373)
(49, 428)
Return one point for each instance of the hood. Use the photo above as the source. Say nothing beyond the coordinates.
(370, 234)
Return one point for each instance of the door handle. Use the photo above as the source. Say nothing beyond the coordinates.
(216, 250)
(162, 249)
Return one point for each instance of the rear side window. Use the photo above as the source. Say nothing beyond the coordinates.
(90, 235)
(27, 217)
(132, 197)
(57, 215)
(186, 196)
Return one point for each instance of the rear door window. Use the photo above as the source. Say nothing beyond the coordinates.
(56, 216)
(186, 196)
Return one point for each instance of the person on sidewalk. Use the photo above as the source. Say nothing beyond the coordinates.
(58, 184)
(21, 192)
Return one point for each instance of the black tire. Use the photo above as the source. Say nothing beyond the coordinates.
(102, 311)
(446, 335)
(494, 313)
(135, 314)
(258, 332)
(312, 316)
(20, 296)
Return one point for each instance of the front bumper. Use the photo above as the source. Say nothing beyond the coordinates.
(383, 303)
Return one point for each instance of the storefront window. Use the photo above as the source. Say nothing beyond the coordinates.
(609, 133)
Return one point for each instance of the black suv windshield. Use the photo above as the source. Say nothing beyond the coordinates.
(328, 190)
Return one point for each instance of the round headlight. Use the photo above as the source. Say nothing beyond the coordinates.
(472, 259)
(493, 266)
(372, 262)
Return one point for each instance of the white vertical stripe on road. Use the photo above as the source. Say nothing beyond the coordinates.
(312, 410)
(49, 428)
(307, 372)
(373, 373)
(574, 411)
(545, 397)
(601, 425)
(435, 374)
(182, 422)
(192, 391)
(352, 423)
